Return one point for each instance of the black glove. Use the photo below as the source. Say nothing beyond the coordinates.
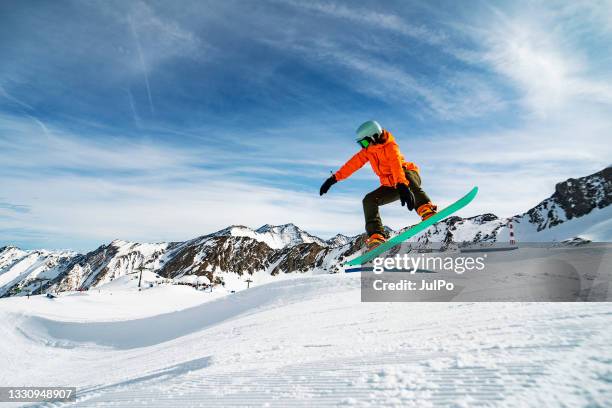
(406, 196)
(328, 183)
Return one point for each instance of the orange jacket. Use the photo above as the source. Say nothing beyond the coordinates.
(386, 161)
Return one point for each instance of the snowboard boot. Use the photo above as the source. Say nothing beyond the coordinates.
(375, 240)
(427, 210)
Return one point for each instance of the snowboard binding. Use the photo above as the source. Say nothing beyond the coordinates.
(375, 240)
(427, 210)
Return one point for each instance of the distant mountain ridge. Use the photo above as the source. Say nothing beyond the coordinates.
(577, 207)
(275, 236)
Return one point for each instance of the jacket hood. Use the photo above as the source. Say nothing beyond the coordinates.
(390, 139)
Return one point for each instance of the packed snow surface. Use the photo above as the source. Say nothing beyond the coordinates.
(307, 342)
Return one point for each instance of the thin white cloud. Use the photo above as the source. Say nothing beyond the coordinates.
(372, 19)
(160, 37)
(458, 96)
(133, 109)
(537, 54)
(146, 39)
(143, 64)
(26, 109)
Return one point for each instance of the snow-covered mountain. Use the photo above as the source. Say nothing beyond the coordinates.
(339, 240)
(216, 258)
(578, 207)
(275, 236)
(28, 269)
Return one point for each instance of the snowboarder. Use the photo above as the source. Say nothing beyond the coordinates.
(399, 179)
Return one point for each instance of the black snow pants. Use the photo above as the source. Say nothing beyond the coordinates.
(385, 195)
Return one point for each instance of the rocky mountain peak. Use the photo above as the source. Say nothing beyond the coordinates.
(573, 198)
(7, 247)
(338, 240)
(578, 197)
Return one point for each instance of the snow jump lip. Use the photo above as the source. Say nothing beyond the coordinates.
(142, 332)
(398, 239)
(149, 331)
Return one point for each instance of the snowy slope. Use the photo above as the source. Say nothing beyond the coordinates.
(307, 342)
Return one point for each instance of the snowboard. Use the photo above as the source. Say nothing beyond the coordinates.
(398, 239)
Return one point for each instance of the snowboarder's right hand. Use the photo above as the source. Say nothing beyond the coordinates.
(406, 196)
(328, 183)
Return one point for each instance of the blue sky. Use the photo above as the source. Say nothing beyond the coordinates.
(160, 120)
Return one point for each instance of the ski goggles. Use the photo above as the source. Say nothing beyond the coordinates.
(365, 142)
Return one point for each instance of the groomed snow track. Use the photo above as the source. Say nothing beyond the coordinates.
(310, 342)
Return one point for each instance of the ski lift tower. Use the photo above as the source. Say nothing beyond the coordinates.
(40, 285)
(248, 282)
(511, 228)
(140, 269)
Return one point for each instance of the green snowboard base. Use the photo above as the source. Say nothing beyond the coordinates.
(398, 239)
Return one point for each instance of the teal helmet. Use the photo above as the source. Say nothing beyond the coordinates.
(369, 132)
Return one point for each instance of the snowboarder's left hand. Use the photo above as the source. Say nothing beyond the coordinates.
(406, 196)
(328, 183)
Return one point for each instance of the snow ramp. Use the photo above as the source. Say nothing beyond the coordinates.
(149, 331)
